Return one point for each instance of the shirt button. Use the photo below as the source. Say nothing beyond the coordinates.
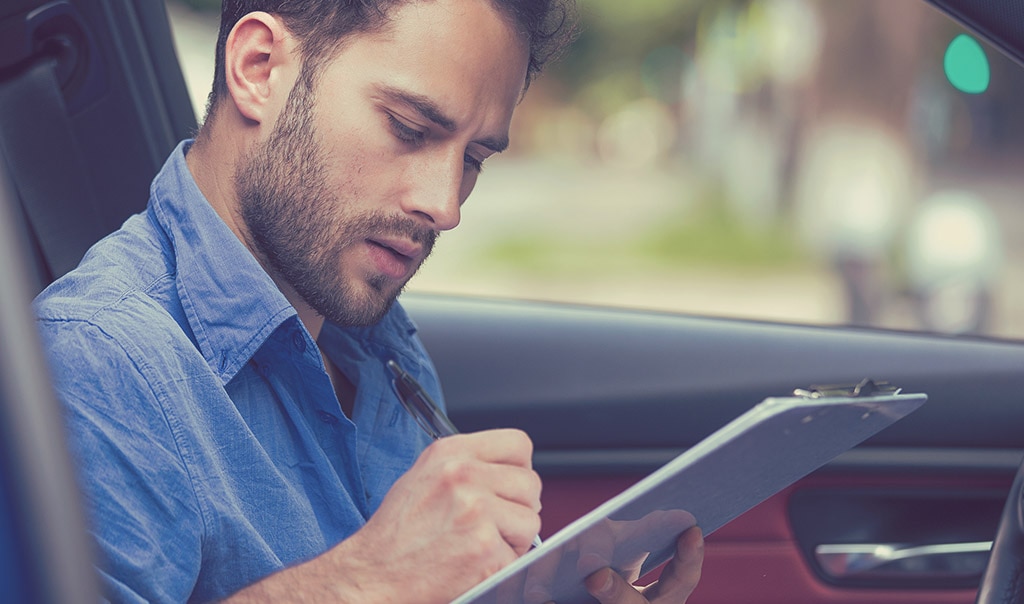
(327, 418)
(299, 342)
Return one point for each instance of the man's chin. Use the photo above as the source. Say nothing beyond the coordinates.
(365, 308)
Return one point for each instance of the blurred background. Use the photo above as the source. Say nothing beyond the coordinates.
(806, 161)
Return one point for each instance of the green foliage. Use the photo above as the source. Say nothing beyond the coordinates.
(712, 236)
(615, 38)
(203, 5)
(715, 236)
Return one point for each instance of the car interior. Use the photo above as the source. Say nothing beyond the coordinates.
(92, 98)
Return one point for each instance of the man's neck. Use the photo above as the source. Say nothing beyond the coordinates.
(212, 160)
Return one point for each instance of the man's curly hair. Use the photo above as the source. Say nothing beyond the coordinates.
(322, 25)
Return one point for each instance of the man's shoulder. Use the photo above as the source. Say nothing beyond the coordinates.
(124, 284)
(114, 328)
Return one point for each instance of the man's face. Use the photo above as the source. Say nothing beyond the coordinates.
(362, 170)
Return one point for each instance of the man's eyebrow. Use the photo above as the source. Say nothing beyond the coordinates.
(429, 109)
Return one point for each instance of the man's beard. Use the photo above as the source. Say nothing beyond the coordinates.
(301, 228)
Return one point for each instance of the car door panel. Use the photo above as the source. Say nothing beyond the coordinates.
(609, 396)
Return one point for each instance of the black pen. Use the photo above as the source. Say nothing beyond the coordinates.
(418, 403)
(428, 415)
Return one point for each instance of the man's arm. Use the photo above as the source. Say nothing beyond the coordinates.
(469, 506)
(137, 491)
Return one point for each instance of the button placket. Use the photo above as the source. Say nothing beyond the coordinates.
(262, 367)
(327, 417)
(299, 341)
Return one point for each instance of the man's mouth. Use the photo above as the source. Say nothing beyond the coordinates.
(395, 257)
(402, 249)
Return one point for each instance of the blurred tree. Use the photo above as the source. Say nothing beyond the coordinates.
(202, 5)
(603, 69)
(870, 59)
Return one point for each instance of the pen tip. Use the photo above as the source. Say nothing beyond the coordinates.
(395, 369)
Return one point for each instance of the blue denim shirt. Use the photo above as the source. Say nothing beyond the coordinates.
(212, 448)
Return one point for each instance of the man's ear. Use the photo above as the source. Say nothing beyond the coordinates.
(260, 66)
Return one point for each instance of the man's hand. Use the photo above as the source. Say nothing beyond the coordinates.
(469, 506)
(677, 581)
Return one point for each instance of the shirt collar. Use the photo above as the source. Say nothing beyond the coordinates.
(231, 303)
(390, 338)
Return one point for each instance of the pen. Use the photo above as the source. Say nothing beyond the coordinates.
(424, 410)
(419, 404)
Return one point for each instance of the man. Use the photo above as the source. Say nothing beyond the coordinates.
(222, 354)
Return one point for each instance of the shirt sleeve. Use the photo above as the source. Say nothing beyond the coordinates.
(141, 504)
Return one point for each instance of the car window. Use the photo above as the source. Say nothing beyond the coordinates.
(805, 161)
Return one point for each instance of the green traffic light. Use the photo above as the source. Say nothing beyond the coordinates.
(966, 65)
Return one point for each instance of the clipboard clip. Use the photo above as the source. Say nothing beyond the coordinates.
(865, 388)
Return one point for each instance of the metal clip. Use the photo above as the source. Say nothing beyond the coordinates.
(866, 387)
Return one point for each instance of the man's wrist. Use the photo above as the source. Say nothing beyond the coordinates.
(338, 576)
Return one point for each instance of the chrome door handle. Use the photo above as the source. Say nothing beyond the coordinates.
(876, 560)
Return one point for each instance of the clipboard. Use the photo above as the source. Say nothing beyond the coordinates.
(761, 452)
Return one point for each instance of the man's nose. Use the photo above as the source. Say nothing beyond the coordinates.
(438, 195)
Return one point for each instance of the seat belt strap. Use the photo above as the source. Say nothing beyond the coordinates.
(48, 171)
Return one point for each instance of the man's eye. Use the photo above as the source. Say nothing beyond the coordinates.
(405, 133)
(474, 163)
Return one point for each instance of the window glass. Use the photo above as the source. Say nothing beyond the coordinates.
(807, 161)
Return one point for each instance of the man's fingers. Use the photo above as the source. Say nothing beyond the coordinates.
(517, 525)
(677, 581)
(477, 469)
(596, 547)
(503, 446)
(539, 577)
(517, 485)
(681, 575)
(608, 587)
(485, 459)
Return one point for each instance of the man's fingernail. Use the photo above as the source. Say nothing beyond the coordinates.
(606, 585)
